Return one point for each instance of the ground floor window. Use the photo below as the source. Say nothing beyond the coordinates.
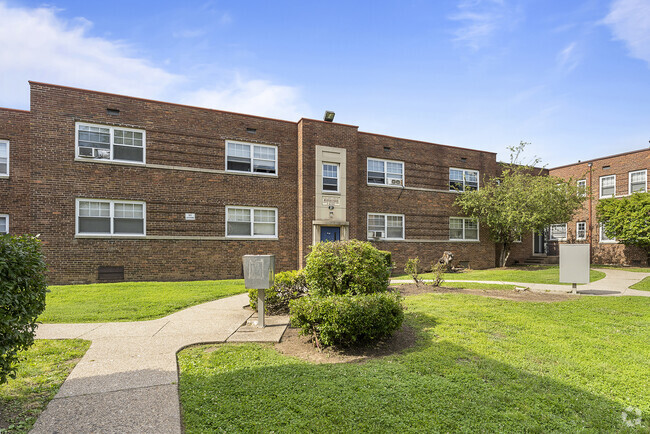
(4, 224)
(250, 222)
(581, 230)
(463, 229)
(386, 226)
(110, 217)
(603, 236)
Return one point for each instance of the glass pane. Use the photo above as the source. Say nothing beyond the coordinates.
(330, 184)
(264, 152)
(455, 229)
(455, 175)
(376, 178)
(3, 150)
(128, 210)
(3, 167)
(330, 171)
(375, 166)
(239, 215)
(128, 226)
(471, 234)
(239, 150)
(94, 225)
(264, 228)
(640, 186)
(264, 216)
(239, 164)
(3, 225)
(456, 185)
(395, 168)
(263, 166)
(128, 153)
(94, 137)
(239, 228)
(376, 222)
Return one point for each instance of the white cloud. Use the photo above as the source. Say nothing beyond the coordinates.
(480, 20)
(629, 21)
(37, 44)
(568, 58)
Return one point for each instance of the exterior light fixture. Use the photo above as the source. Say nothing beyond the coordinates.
(329, 116)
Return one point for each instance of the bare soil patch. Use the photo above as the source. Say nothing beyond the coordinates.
(292, 344)
(504, 294)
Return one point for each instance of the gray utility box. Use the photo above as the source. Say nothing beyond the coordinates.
(574, 263)
(259, 273)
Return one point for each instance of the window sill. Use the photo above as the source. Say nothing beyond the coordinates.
(124, 237)
(116, 162)
(608, 242)
(251, 238)
(464, 241)
(4, 176)
(385, 185)
(237, 172)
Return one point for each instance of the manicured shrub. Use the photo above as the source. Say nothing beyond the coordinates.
(347, 319)
(22, 297)
(287, 286)
(389, 258)
(346, 267)
(412, 268)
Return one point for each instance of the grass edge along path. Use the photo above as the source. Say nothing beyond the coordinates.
(131, 301)
(481, 365)
(643, 285)
(41, 372)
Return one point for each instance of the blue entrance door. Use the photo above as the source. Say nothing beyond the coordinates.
(330, 233)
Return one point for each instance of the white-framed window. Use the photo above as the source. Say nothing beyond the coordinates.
(603, 237)
(463, 229)
(4, 158)
(385, 172)
(330, 178)
(251, 222)
(608, 186)
(582, 183)
(463, 179)
(581, 231)
(4, 224)
(104, 142)
(245, 157)
(386, 226)
(638, 181)
(110, 217)
(558, 232)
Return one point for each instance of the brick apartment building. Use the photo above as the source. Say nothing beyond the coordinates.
(122, 187)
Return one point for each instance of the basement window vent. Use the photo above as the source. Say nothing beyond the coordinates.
(463, 158)
(110, 273)
(386, 148)
(113, 112)
(251, 130)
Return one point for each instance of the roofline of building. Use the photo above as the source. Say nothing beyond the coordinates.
(425, 143)
(600, 158)
(14, 110)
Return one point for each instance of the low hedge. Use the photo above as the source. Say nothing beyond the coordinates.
(348, 320)
(287, 286)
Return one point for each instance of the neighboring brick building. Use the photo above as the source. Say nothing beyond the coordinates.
(612, 176)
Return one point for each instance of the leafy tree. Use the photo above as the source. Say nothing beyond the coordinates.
(521, 200)
(22, 297)
(627, 219)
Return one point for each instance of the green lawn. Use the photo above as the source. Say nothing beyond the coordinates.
(481, 365)
(40, 375)
(531, 274)
(632, 269)
(643, 285)
(131, 301)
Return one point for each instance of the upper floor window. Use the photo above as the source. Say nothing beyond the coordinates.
(638, 181)
(581, 230)
(110, 217)
(463, 179)
(4, 158)
(101, 142)
(4, 224)
(251, 158)
(461, 228)
(248, 222)
(558, 232)
(608, 186)
(330, 177)
(386, 226)
(582, 184)
(385, 172)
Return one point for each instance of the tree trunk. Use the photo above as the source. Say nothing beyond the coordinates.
(505, 254)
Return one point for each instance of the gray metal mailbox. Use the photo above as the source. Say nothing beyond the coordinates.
(259, 273)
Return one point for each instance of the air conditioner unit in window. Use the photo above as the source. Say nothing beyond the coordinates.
(86, 152)
(375, 234)
(395, 182)
(102, 153)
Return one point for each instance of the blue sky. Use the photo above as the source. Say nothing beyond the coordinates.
(571, 77)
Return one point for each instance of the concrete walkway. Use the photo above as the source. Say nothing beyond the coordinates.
(128, 379)
(615, 283)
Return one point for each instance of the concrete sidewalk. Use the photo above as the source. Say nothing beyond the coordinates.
(615, 283)
(128, 380)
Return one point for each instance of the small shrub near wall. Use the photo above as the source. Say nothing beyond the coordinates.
(346, 267)
(287, 286)
(348, 319)
(22, 297)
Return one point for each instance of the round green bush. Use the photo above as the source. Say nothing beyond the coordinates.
(287, 285)
(346, 267)
(348, 319)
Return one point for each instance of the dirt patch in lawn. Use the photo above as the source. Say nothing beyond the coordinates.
(504, 294)
(292, 344)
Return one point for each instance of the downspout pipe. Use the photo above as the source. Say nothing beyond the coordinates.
(589, 219)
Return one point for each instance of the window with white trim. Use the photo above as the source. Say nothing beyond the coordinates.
(463, 179)
(386, 226)
(251, 158)
(4, 158)
(103, 142)
(330, 177)
(608, 186)
(581, 230)
(4, 224)
(385, 172)
(582, 183)
(110, 217)
(558, 232)
(463, 229)
(638, 181)
(251, 222)
(603, 236)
